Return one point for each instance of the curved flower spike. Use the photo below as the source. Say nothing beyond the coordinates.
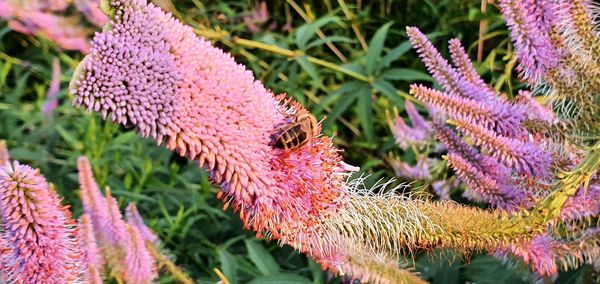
(178, 89)
(42, 246)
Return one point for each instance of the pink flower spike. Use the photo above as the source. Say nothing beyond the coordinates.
(585, 204)
(134, 219)
(150, 71)
(93, 201)
(93, 260)
(139, 266)
(538, 253)
(38, 232)
(419, 171)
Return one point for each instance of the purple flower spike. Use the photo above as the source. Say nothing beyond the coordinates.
(485, 186)
(418, 171)
(135, 219)
(501, 117)
(446, 75)
(51, 96)
(533, 45)
(464, 65)
(41, 245)
(416, 119)
(406, 135)
(525, 157)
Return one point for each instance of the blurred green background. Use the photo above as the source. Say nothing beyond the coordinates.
(347, 61)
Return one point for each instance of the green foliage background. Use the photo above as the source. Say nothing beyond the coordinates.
(175, 196)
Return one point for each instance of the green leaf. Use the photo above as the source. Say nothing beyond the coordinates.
(388, 90)
(376, 46)
(263, 260)
(308, 31)
(281, 279)
(406, 74)
(316, 271)
(395, 53)
(340, 107)
(228, 265)
(335, 94)
(309, 68)
(365, 112)
(69, 138)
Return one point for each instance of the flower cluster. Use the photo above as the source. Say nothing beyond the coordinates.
(512, 152)
(110, 239)
(503, 152)
(558, 47)
(41, 243)
(48, 18)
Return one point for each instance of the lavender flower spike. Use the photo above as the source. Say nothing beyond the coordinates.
(484, 187)
(533, 45)
(51, 96)
(498, 116)
(42, 246)
(464, 65)
(525, 157)
(446, 75)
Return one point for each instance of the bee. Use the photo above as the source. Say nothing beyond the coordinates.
(297, 133)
